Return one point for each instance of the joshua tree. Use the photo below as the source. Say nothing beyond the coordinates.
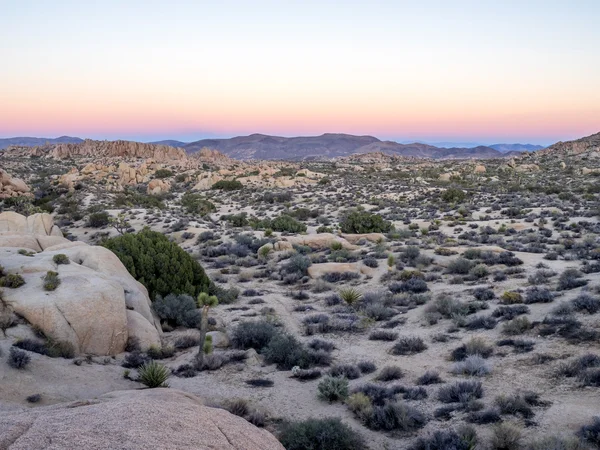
(206, 302)
(120, 223)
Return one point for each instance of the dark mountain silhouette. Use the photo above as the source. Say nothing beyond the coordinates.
(505, 148)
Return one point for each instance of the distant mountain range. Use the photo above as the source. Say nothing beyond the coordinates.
(34, 141)
(329, 145)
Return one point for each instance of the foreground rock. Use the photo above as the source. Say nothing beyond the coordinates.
(154, 418)
(98, 304)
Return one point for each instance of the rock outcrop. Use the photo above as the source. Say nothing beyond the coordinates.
(98, 304)
(12, 187)
(152, 418)
(120, 149)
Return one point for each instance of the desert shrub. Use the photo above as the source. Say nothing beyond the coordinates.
(177, 310)
(460, 391)
(256, 335)
(134, 360)
(408, 345)
(320, 434)
(518, 404)
(484, 417)
(320, 344)
(519, 345)
(578, 366)
(12, 280)
(31, 345)
(156, 352)
(335, 277)
(586, 303)
(333, 389)
(459, 266)
(51, 281)
(481, 322)
(505, 436)
(538, 295)
(590, 433)
(18, 359)
(517, 326)
(383, 335)
(415, 393)
(98, 219)
(390, 373)
(510, 312)
(297, 266)
(359, 222)
(395, 416)
(360, 405)
(474, 346)
(366, 367)
(285, 223)
(453, 195)
(196, 204)
(346, 371)
(227, 185)
(511, 297)
(414, 285)
(371, 262)
(429, 377)
(378, 394)
(473, 365)
(463, 438)
(286, 351)
(187, 341)
(61, 258)
(163, 173)
(570, 279)
(484, 294)
(159, 264)
(557, 443)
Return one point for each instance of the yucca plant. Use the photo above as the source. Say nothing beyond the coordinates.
(350, 295)
(154, 374)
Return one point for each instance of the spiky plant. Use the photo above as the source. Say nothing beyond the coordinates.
(350, 295)
(154, 374)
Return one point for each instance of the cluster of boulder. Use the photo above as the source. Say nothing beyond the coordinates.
(98, 305)
(12, 187)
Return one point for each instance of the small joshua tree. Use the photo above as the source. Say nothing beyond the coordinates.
(120, 223)
(206, 302)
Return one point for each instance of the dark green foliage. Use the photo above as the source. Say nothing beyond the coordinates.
(51, 281)
(98, 219)
(227, 185)
(333, 389)
(12, 280)
(18, 359)
(163, 173)
(321, 434)
(177, 310)
(453, 195)
(51, 348)
(159, 264)
(364, 222)
(285, 223)
(196, 204)
(138, 200)
(61, 259)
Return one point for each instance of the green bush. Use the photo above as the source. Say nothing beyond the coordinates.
(453, 195)
(51, 281)
(12, 280)
(159, 264)
(177, 310)
(321, 434)
(288, 224)
(227, 185)
(163, 173)
(333, 389)
(358, 222)
(196, 204)
(61, 259)
(98, 219)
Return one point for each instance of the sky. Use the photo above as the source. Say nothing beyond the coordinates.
(455, 71)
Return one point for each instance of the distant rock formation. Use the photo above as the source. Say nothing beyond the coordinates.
(120, 149)
(12, 187)
(136, 419)
(98, 304)
(589, 146)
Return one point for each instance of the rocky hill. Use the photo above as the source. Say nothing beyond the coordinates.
(589, 146)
